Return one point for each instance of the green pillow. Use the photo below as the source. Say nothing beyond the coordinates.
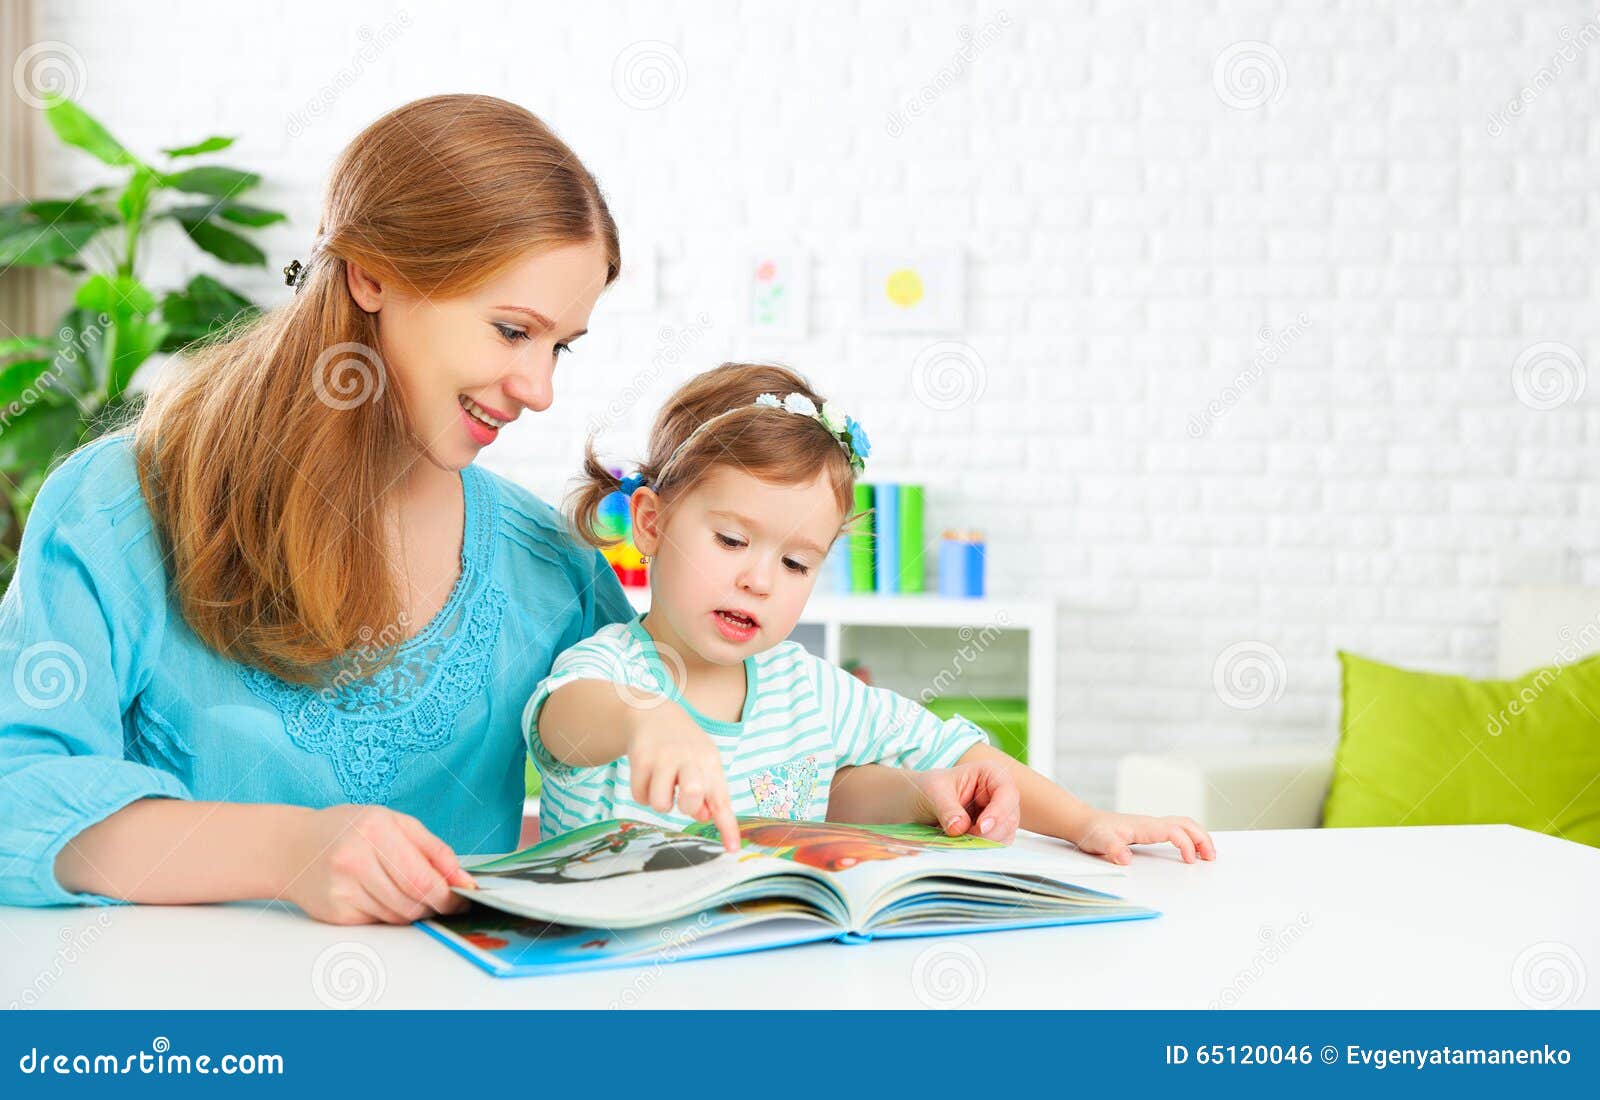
(1419, 748)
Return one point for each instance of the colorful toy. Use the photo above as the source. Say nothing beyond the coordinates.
(613, 521)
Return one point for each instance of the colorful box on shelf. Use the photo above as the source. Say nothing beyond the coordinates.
(1005, 720)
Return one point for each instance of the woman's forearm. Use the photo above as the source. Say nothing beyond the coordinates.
(166, 851)
(1046, 807)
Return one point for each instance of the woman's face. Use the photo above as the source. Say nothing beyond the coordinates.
(469, 365)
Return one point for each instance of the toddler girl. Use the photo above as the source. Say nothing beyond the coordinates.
(702, 708)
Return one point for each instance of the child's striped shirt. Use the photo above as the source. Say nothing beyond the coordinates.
(803, 718)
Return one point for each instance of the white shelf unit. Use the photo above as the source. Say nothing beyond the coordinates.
(1035, 617)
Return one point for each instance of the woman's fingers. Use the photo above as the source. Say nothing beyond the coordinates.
(380, 897)
(440, 856)
(1182, 841)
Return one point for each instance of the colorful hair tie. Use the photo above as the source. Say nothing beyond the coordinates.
(632, 483)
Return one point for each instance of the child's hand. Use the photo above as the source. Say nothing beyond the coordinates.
(673, 761)
(369, 864)
(979, 797)
(1108, 835)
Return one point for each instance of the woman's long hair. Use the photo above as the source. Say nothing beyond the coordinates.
(270, 461)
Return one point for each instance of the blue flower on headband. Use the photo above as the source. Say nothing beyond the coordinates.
(859, 443)
(631, 483)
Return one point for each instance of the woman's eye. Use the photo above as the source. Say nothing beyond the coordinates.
(512, 333)
(730, 542)
(798, 567)
(562, 349)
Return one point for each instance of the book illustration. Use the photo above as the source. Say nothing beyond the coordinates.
(615, 893)
(830, 846)
(616, 848)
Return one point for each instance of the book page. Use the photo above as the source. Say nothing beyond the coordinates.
(629, 874)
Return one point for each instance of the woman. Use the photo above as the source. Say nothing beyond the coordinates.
(274, 642)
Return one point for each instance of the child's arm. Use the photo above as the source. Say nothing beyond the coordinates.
(588, 723)
(1054, 811)
(979, 798)
(878, 726)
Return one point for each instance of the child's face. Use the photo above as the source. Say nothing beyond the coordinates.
(735, 559)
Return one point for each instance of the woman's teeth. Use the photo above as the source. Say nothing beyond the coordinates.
(477, 412)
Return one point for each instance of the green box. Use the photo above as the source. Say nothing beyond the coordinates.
(1004, 719)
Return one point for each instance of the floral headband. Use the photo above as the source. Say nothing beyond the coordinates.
(844, 429)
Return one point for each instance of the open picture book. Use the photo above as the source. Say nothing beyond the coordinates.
(626, 893)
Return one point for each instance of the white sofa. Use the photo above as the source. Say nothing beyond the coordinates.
(1283, 786)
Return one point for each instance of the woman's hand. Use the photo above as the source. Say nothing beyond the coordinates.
(978, 797)
(368, 864)
(1108, 835)
(673, 761)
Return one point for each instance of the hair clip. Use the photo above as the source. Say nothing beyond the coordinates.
(294, 275)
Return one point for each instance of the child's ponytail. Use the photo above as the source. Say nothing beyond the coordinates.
(593, 486)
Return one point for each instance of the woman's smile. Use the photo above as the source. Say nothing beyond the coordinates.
(483, 424)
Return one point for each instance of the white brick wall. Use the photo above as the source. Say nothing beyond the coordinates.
(1131, 241)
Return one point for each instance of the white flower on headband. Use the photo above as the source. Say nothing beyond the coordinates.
(833, 417)
(769, 400)
(800, 405)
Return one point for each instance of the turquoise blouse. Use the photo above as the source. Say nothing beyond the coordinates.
(106, 695)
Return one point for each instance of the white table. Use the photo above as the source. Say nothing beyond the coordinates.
(1420, 917)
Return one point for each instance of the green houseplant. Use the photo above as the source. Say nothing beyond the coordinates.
(63, 389)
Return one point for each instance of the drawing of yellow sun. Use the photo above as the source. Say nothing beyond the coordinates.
(904, 287)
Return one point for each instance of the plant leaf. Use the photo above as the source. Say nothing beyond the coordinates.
(137, 338)
(136, 196)
(74, 126)
(236, 212)
(81, 209)
(224, 244)
(40, 245)
(22, 345)
(209, 145)
(37, 436)
(117, 295)
(18, 379)
(199, 310)
(212, 179)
